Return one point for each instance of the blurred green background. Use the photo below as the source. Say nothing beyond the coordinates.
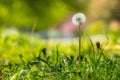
(44, 14)
(51, 19)
(26, 13)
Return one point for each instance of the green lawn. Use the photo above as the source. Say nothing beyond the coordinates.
(25, 57)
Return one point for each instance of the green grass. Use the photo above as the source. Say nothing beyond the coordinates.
(24, 57)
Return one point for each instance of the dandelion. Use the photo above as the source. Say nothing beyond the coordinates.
(98, 44)
(77, 20)
(44, 51)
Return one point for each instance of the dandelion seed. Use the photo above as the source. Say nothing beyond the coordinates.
(78, 19)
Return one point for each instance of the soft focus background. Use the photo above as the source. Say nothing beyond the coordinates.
(38, 40)
(26, 26)
(55, 16)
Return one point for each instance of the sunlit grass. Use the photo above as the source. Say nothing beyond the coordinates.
(28, 57)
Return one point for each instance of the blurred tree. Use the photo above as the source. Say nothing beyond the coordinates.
(115, 11)
(26, 13)
(106, 10)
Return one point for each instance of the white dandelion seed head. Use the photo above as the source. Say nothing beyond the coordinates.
(78, 19)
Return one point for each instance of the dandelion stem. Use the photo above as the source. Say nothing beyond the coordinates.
(34, 27)
(79, 45)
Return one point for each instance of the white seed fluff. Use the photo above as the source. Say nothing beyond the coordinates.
(78, 19)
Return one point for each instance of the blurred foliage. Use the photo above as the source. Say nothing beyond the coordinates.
(44, 14)
(96, 27)
(26, 13)
(25, 57)
(106, 10)
(115, 11)
(13, 43)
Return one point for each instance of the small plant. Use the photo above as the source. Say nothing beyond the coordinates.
(78, 19)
